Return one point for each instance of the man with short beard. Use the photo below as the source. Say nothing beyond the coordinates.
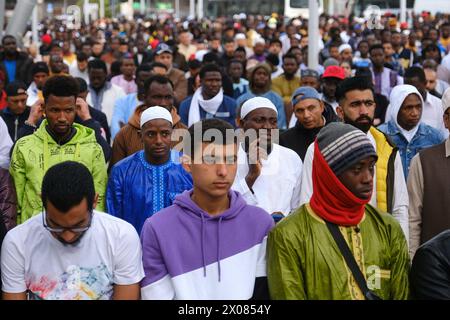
(357, 107)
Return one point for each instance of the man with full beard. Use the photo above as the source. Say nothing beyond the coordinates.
(357, 107)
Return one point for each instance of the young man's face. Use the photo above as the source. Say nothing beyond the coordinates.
(329, 86)
(346, 55)
(156, 138)
(388, 50)
(357, 109)
(410, 112)
(60, 113)
(309, 113)
(56, 64)
(260, 78)
(10, 45)
(159, 94)
(334, 53)
(447, 119)
(290, 66)
(377, 57)
(235, 70)
(275, 48)
(77, 217)
(211, 83)
(128, 67)
(17, 104)
(229, 48)
(310, 82)
(258, 49)
(431, 77)
(39, 79)
(97, 78)
(363, 48)
(262, 121)
(358, 179)
(165, 58)
(213, 171)
(82, 65)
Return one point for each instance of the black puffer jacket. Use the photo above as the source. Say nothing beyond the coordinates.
(430, 272)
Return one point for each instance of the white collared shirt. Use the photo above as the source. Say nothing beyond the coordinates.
(277, 189)
(433, 115)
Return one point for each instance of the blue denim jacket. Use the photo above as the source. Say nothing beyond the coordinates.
(425, 137)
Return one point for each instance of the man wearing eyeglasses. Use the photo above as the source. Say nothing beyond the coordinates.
(428, 186)
(70, 251)
(357, 107)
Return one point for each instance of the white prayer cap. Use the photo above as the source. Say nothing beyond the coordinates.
(256, 103)
(344, 46)
(446, 99)
(240, 36)
(155, 113)
(260, 40)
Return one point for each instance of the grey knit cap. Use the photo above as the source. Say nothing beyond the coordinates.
(342, 145)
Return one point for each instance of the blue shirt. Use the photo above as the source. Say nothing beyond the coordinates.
(10, 69)
(123, 109)
(137, 189)
(425, 137)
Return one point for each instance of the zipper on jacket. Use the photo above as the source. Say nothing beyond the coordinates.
(16, 124)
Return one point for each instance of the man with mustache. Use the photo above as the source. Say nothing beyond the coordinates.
(306, 260)
(268, 175)
(70, 250)
(357, 107)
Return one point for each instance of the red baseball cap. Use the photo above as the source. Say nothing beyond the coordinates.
(46, 38)
(334, 72)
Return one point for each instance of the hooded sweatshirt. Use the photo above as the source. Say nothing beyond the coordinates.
(33, 155)
(409, 142)
(188, 254)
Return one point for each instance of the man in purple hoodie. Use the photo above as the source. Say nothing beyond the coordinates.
(209, 244)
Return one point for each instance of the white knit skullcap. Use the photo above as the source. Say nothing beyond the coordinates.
(156, 112)
(256, 103)
(343, 47)
(240, 36)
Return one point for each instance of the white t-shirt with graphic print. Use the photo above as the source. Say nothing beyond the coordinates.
(33, 260)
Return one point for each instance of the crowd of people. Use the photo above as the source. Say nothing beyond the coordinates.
(186, 159)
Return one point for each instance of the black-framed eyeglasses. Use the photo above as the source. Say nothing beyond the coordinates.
(62, 229)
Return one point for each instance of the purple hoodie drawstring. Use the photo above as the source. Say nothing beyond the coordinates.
(218, 247)
(203, 245)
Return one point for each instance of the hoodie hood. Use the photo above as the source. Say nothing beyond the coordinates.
(190, 207)
(187, 204)
(83, 135)
(398, 96)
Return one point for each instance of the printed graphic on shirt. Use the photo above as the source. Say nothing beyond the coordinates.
(76, 283)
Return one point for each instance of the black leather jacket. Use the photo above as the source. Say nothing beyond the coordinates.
(430, 272)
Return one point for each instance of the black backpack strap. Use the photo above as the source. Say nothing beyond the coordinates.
(350, 261)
